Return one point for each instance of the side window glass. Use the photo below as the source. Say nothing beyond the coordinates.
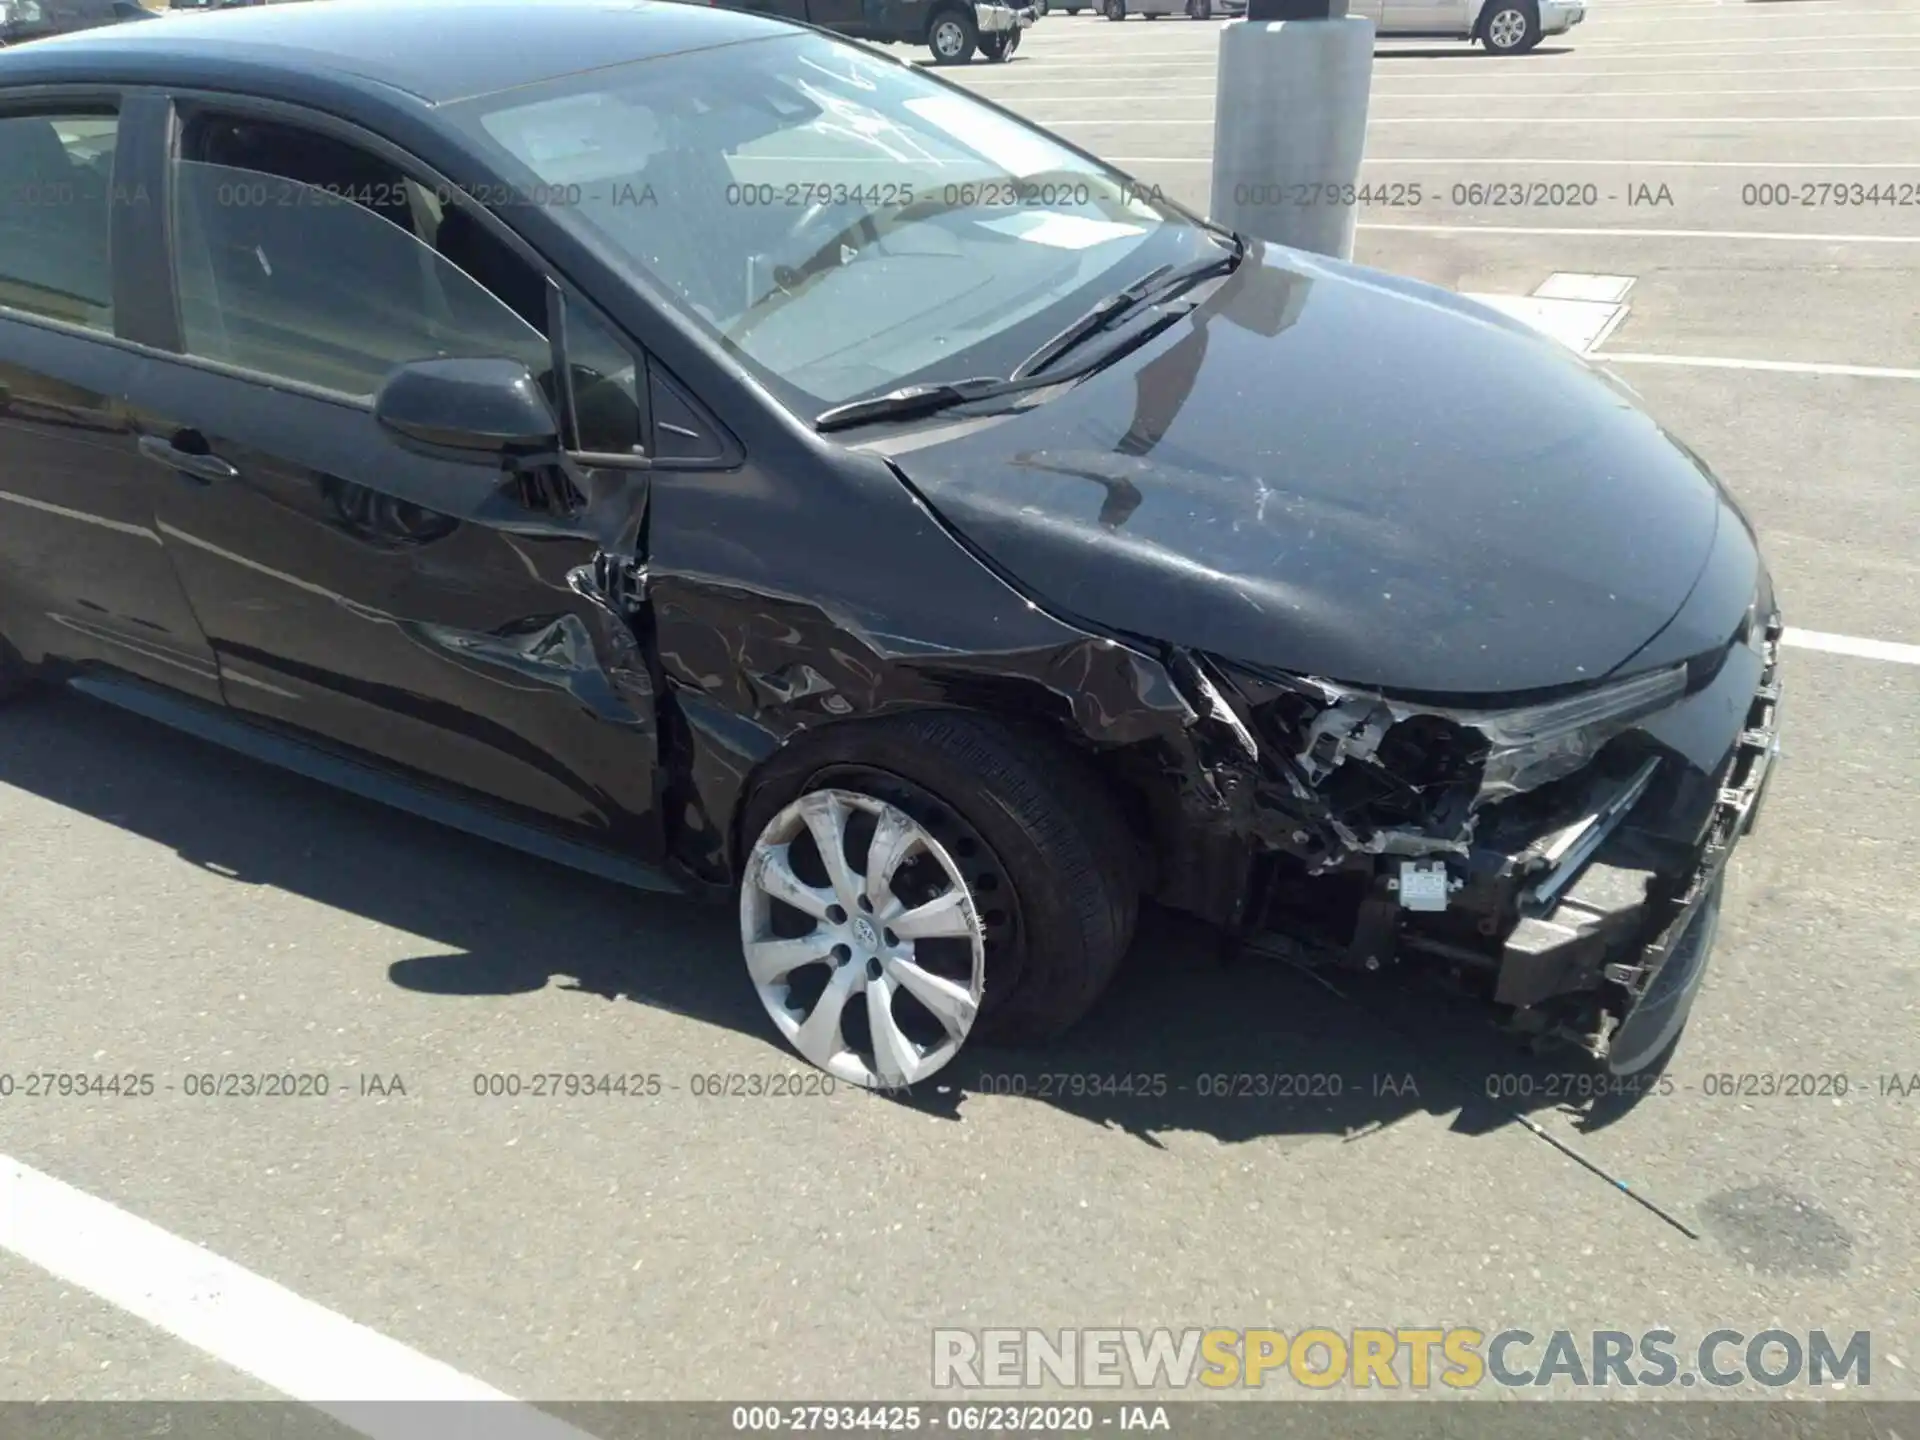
(328, 283)
(56, 186)
(608, 411)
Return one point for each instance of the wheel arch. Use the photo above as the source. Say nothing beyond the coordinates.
(1113, 709)
(1487, 8)
(781, 603)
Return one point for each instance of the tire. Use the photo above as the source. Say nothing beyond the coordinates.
(1073, 9)
(1116, 9)
(1648, 1036)
(1510, 27)
(998, 49)
(952, 36)
(1199, 9)
(1028, 829)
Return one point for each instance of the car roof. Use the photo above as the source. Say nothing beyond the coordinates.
(438, 51)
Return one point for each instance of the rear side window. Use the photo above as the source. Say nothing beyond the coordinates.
(56, 188)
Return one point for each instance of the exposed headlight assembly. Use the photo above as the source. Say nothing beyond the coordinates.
(1537, 744)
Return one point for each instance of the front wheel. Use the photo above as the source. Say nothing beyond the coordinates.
(952, 37)
(916, 882)
(998, 49)
(1650, 1032)
(1116, 9)
(1513, 27)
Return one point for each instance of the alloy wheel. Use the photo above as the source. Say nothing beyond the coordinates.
(862, 938)
(1507, 29)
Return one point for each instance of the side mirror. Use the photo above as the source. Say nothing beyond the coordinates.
(475, 409)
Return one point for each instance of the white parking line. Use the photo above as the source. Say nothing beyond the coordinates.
(1583, 96)
(1495, 71)
(249, 1323)
(1777, 367)
(1852, 645)
(1797, 237)
(1621, 47)
(1206, 40)
(1585, 121)
(1718, 12)
(1078, 61)
(1556, 162)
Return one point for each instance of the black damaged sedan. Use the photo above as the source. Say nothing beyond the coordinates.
(724, 458)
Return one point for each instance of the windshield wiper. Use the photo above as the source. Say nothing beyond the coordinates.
(1157, 284)
(913, 400)
(910, 402)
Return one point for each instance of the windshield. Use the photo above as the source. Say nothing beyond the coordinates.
(841, 222)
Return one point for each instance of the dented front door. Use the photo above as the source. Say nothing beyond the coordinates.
(412, 610)
(341, 599)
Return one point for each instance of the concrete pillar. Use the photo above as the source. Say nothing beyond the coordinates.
(1290, 127)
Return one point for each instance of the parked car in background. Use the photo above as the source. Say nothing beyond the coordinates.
(23, 20)
(954, 30)
(1505, 27)
(1154, 9)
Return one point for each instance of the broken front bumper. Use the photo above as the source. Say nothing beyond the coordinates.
(1585, 907)
(1617, 914)
(1605, 877)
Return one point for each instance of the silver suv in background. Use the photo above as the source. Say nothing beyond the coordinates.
(1505, 27)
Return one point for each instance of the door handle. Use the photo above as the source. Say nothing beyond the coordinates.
(207, 468)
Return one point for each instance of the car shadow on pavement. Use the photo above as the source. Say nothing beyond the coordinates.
(1463, 50)
(1185, 1040)
(1189, 1039)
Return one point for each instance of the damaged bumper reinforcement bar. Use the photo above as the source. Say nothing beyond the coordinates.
(1564, 860)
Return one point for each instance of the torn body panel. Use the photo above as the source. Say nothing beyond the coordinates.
(749, 671)
(1552, 857)
(894, 614)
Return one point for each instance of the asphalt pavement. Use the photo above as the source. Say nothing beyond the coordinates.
(173, 912)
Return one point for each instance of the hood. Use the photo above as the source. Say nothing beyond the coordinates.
(1336, 472)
